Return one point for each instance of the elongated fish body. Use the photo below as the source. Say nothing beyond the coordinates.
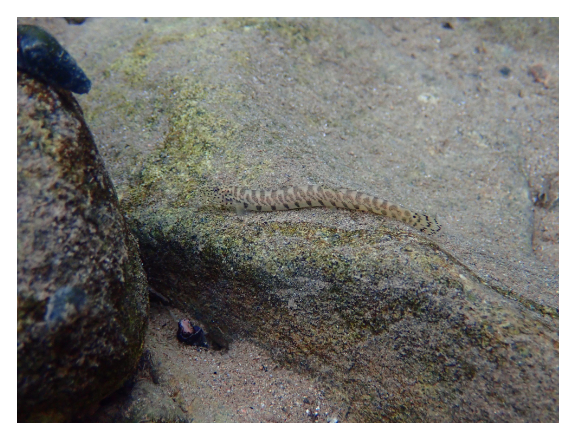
(308, 196)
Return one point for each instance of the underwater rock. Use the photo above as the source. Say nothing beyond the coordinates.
(82, 292)
(391, 324)
(41, 55)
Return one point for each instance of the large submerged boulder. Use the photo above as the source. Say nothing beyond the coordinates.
(462, 326)
(82, 291)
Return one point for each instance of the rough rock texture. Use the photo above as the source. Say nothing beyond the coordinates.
(141, 399)
(389, 322)
(82, 292)
(436, 115)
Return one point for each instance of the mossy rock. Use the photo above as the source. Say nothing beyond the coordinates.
(82, 291)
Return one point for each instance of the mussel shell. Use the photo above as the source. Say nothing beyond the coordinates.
(40, 54)
(191, 335)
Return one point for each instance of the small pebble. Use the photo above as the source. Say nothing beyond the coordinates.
(505, 71)
(540, 74)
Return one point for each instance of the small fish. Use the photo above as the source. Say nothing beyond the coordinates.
(308, 196)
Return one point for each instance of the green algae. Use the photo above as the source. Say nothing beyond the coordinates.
(172, 172)
(519, 32)
(296, 33)
(133, 64)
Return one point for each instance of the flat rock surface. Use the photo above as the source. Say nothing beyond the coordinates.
(448, 117)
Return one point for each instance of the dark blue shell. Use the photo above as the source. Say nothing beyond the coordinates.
(40, 54)
(191, 335)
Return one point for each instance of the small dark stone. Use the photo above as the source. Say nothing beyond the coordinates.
(447, 25)
(191, 335)
(505, 71)
(75, 20)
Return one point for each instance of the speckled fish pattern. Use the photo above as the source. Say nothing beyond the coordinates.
(308, 196)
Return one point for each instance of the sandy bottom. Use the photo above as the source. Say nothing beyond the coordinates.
(241, 384)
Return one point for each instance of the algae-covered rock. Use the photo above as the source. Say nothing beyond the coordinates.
(390, 323)
(397, 326)
(82, 292)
